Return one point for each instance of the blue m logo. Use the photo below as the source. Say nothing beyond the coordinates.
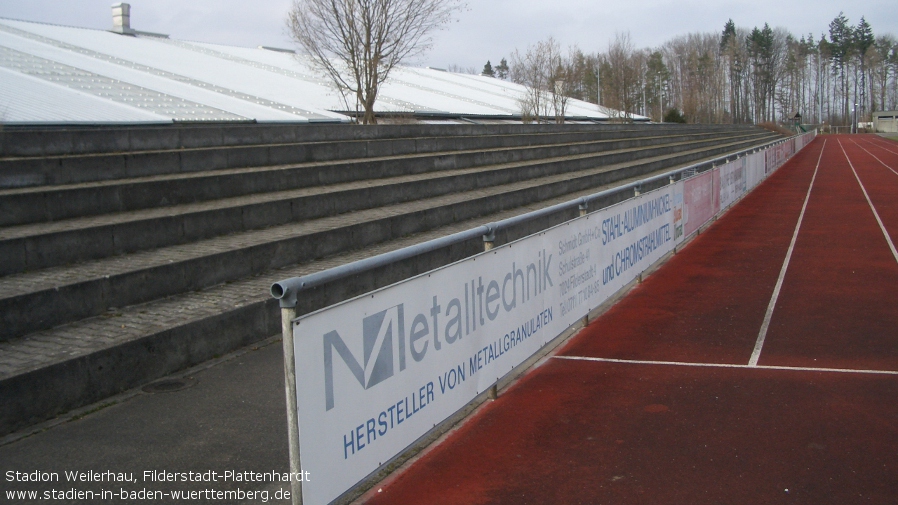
(383, 344)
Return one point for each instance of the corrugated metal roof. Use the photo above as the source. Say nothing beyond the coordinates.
(99, 76)
(136, 60)
(110, 88)
(26, 99)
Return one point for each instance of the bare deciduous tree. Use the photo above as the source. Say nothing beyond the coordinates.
(622, 76)
(551, 79)
(458, 69)
(534, 70)
(567, 81)
(739, 75)
(356, 43)
(881, 68)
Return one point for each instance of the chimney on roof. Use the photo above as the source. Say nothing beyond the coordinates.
(121, 18)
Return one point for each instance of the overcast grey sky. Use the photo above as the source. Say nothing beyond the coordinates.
(488, 29)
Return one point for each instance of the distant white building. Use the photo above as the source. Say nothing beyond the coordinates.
(53, 74)
(885, 122)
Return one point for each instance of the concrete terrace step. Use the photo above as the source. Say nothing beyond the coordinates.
(51, 371)
(111, 283)
(68, 168)
(90, 288)
(24, 142)
(51, 203)
(44, 245)
(48, 141)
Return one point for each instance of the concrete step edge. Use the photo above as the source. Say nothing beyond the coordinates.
(44, 245)
(47, 204)
(245, 313)
(22, 313)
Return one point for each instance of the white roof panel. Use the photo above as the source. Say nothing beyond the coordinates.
(152, 62)
(102, 79)
(25, 99)
(156, 77)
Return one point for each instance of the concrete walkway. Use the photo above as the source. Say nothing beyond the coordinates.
(230, 418)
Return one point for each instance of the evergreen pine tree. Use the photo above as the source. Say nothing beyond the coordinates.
(674, 116)
(729, 32)
(841, 38)
(502, 69)
(863, 40)
(488, 70)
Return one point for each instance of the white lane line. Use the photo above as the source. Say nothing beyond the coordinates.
(877, 159)
(870, 203)
(729, 365)
(878, 141)
(762, 334)
(882, 143)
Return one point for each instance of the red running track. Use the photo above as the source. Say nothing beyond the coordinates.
(838, 304)
(657, 402)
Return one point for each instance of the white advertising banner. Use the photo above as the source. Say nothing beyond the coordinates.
(377, 372)
(755, 165)
(732, 182)
(776, 156)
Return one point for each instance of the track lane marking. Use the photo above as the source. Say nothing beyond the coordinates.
(877, 158)
(762, 334)
(882, 143)
(728, 365)
(870, 203)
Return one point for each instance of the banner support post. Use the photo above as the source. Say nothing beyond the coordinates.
(288, 314)
(584, 210)
(489, 241)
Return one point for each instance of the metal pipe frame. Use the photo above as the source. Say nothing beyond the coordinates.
(287, 290)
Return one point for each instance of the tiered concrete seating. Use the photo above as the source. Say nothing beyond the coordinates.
(130, 253)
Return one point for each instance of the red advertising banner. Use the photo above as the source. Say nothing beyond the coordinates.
(701, 196)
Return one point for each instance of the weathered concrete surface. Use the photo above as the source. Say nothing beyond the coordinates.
(232, 418)
(150, 294)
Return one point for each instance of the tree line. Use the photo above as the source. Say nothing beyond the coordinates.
(734, 76)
